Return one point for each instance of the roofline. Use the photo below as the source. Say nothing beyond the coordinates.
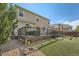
(61, 24)
(31, 12)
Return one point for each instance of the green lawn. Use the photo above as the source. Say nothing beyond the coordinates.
(64, 47)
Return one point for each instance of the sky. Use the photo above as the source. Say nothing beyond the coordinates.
(65, 13)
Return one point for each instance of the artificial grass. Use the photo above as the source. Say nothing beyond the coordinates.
(64, 47)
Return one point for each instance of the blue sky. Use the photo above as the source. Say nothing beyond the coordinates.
(56, 12)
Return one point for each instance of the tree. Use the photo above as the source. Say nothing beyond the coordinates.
(12, 17)
(77, 28)
(7, 15)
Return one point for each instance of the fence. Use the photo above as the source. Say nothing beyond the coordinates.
(55, 33)
(76, 34)
(26, 31)
(35, 31)
(32, 31)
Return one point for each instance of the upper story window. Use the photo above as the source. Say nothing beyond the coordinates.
(21, 13)
(37, 19)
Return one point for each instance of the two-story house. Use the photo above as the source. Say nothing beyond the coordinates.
(26, 17)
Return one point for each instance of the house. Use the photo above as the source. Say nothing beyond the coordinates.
(26, 17)
(61, 27)
(57, 28)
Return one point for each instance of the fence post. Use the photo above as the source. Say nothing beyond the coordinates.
(38, 31)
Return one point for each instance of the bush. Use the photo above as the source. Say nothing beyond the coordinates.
(70, 39)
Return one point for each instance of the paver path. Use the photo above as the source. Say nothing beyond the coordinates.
(12, 44)
(13, 52)
(36, 53)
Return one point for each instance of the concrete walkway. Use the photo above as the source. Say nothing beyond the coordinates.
(12, 44)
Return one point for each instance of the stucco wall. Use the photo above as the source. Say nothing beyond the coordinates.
(32, 18)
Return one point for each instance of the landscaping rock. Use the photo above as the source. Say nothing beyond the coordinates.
(13, 52)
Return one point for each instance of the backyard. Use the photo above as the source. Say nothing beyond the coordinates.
(65, 47)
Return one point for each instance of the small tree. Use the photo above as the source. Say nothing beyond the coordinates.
(7, 15)
(77, 28)
(12, 17)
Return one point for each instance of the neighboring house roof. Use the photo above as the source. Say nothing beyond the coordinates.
(61, 25)
(54, 26)
(32, 12)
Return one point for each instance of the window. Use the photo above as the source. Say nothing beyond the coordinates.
(21, 13)
(37, 19)
(48, 22)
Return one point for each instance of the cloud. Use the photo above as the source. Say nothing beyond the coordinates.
(73, 23)
(63, 20)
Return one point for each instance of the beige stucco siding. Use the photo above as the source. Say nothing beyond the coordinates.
(27, 17)
(31, 18)
(42, 22)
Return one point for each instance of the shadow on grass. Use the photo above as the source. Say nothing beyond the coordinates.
(43, 45)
